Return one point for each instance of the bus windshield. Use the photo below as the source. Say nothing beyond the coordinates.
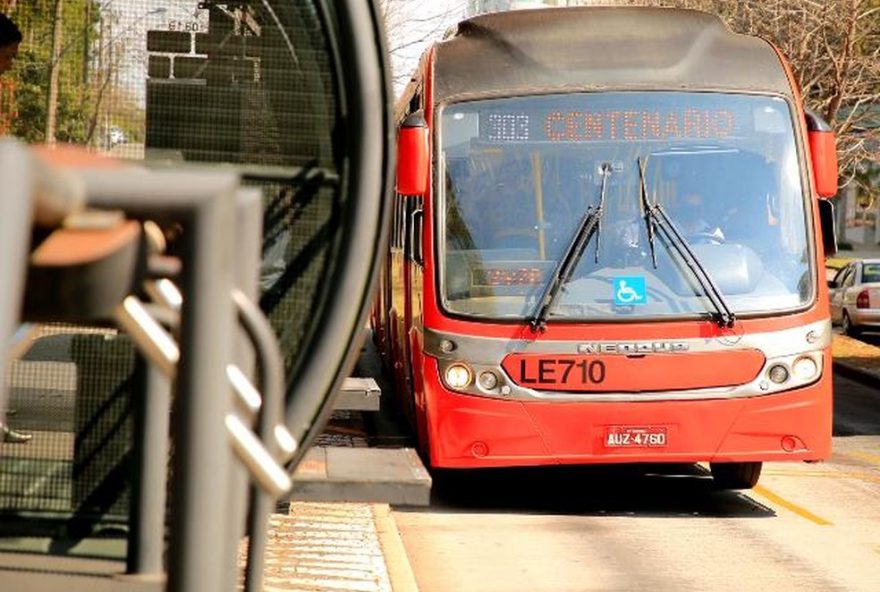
(518, 175)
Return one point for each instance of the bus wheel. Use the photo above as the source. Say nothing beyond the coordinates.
(736, 475)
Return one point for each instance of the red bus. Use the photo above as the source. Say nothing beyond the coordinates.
(607, 247)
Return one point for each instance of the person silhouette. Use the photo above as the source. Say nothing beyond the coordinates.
(692, 223)
(515, 216)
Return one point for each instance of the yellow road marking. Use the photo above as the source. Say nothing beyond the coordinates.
(396, 560)
(865, 456)
(803, 513)
(848, 474)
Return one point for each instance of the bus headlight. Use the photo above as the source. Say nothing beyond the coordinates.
(458, 376)
(805, 368)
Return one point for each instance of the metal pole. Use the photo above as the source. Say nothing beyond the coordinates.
(203, 456)
(205, 203)
(271, 412)
(149, 484)
(249, 231)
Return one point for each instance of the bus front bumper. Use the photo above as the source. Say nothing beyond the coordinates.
(468, 431)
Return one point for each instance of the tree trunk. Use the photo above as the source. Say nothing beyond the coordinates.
(54, 67)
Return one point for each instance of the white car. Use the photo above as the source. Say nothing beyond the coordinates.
(855, 296)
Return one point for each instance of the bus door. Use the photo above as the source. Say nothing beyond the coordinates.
(405, 284)
(396, 293)
(406, 268)
(414, 280)
(378, 316)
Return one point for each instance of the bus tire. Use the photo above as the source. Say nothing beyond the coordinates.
(736, 475)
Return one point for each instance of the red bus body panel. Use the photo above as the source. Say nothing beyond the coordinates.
(640, 374)
(471, 432)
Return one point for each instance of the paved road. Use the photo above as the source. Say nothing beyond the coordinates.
(872, 337)
(806, 527)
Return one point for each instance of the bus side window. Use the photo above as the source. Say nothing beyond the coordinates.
(415, 103)
(391, 236)
(396, 232)
(401, 224)
(405, 233)
(415, 223)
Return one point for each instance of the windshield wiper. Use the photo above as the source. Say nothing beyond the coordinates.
(589, 226)
(646, 209)
(656, 218)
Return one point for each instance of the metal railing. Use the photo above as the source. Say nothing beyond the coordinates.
(184, 329)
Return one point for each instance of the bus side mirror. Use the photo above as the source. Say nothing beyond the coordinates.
(823, 154)
(829, 229)
(412, 155)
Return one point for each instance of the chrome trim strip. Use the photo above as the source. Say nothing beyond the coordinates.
(486, 354)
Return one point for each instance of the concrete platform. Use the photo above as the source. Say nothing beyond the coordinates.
(359, 394)
(319, 547)
(335, 547)
(374, 475)
(49, 573)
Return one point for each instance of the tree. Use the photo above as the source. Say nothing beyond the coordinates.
(410, 26)
(834, 50)
(53, 92)
(54, 70)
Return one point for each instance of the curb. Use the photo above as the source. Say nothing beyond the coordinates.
(400, 572)
(865, 377)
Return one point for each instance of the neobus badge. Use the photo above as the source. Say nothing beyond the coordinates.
(653, 347)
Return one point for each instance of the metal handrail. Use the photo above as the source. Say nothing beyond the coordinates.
(162, 351)
(186, 341)
(149, 336)
(262, 335)
(270, 475)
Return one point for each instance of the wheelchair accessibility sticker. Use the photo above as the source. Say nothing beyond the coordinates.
(629, 290)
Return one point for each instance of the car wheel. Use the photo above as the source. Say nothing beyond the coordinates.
(735, 475)
(848, 327)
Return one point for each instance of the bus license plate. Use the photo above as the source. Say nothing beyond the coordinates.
(635, 436)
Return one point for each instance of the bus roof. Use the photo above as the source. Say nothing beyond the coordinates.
(601, 48)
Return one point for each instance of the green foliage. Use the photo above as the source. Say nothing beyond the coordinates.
(30, 96)
(76, 102)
